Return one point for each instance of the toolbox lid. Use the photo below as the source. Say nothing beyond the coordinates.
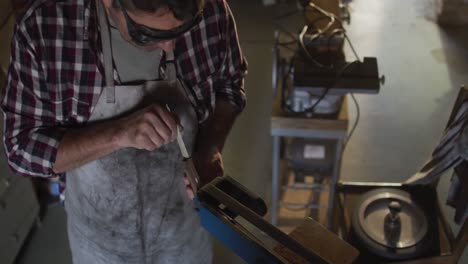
(448, 153)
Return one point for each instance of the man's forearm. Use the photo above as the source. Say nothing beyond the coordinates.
(214, 133)
(148, 129)
(82, 145)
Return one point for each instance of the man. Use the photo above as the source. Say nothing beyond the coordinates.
(97, 91)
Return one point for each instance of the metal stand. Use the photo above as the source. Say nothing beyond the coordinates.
(284, 125)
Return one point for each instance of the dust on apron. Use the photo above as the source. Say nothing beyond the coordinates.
(131, 206)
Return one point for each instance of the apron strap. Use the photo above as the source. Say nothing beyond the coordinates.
(107, 53)
(171, 71)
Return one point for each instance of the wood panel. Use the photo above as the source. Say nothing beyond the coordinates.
(326, 246)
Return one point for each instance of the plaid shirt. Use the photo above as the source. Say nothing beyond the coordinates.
(56, 75)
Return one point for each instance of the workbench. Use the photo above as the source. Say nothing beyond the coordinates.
(284, 125)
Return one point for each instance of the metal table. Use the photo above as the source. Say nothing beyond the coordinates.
(287, 125)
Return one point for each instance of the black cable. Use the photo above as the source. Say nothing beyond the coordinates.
(304, 45)
(286, 47)
(282, 28)
(334, 33)
(287, 43)
(358, 115)
(283, 85)
(335, 80)
(358, 111)
(352, 47)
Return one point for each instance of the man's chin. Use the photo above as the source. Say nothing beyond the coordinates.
(150, 48)
(145, 48)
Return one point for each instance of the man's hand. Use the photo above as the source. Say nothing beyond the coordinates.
(149, 128)
(209, 164)
(188, 187)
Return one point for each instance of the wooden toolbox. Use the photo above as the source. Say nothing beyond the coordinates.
(432, 239)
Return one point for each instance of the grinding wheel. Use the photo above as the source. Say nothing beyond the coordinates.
(390, 224)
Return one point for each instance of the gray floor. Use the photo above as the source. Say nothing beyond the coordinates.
(424, 66)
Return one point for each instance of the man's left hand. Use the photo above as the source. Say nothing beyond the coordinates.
(209, 165)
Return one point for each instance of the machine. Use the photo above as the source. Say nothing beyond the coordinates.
(313, 72)
(233, 215)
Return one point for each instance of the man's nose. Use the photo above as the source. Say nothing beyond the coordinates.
(167, 45)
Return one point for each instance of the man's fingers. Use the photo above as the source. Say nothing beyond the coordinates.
(190, 194)
(188, 187)
(159, 126)
(186, 181)
(168, 119)
(145, 141)
(148, 137)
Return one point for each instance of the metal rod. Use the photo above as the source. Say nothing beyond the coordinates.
(312, 187)
(304, 205)
(275, 181)
(262, 225)
(344, 184)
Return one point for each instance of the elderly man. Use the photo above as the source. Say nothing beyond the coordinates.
(97, 91)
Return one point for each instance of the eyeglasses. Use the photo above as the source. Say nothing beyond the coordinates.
(143, 35)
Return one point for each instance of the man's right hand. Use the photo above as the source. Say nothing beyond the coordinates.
(148, 128)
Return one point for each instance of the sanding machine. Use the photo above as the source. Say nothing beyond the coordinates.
(234, 215)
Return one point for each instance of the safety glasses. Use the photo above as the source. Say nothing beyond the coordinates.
(144, 36)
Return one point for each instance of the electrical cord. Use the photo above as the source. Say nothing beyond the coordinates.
(358, 111)
(283, 29)
(327, 15)
(311, 110)
(351, 45)
(313, 37)
(287, 43)
(356, 122)
(339, 75)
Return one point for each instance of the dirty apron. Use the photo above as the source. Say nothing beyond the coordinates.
(131, 206)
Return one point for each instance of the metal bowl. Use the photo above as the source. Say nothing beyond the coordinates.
(388, 233)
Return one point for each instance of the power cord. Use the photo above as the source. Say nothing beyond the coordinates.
(339, 75)
(333, 18)
(356, 122)
(358, 111)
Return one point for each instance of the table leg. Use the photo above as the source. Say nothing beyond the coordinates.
(334, 180)
(275, 180)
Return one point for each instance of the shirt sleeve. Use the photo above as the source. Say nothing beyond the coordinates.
(234, 68)
(31, 134)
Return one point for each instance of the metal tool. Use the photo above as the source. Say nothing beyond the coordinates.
(390, 223)
(190, 169)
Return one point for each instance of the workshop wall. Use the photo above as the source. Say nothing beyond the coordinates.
(453, 12)
(7, 21)
(6, 29)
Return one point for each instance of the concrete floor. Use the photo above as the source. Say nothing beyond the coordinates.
(424, 66)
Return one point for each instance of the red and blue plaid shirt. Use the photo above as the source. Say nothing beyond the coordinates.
(56, 75)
